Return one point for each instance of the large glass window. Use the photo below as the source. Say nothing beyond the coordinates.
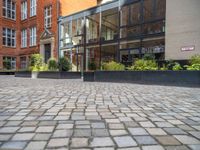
(154, 46)
(109, 53)
(92, 58)
(77, 31)
(66, 34)
(24, 10)
(9, 37)
(110, 24)
(9, 63)
(24, 38)
(9, 9)
(92, 28)
(33, 6)
(33, 36)
(48, 17)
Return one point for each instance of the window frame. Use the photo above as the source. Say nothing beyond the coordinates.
(24, 38)
(48, 17)
(24, 9)
(33, 8)
(11, 9)
(6, 37)
(33, 36)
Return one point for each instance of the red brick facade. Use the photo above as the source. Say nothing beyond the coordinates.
(59, 8)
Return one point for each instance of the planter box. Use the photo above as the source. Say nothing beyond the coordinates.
(88, 76)
(23, 74)
(49, 75)
(177, 78)
(7, 73)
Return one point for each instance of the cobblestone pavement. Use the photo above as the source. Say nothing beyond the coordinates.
(69, 114)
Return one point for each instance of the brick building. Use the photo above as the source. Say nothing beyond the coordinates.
(30, 26)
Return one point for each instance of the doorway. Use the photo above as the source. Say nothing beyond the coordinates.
(47, 52)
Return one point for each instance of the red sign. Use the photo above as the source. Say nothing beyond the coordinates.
(188, 48)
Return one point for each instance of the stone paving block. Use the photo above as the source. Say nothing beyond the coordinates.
(23, 136)
(118, 132)
(62, 133)
(45, 129)
(40, 145)
(125, 141)
(102, 142)
(65, 126)
(195, 147)
(116, 126)
(153, 147)
(42, 137)
(79, 142)
(82, 132)
(145, 140)
(195, 134)
(147, 124)
(8, 129)
(100, 132)
(137, 131)
(58, 142)
(156, 131)
(168, 140)
(176, 148)
(5, 137)
(98, 125)
(27, 129)
(174, 131)
(13, 145)
(185, 139)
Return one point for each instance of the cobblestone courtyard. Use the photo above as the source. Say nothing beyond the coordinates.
(70, 114)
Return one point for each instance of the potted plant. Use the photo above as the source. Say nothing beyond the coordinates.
(35, 65)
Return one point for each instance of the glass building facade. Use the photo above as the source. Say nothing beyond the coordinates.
(121, 31)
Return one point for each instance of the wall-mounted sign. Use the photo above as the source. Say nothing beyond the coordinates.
(188, 48)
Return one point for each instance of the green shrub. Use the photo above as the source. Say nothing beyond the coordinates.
(177, 67)
(43, 67)
(36, 62)
(164, 68)
(6, 65)
(142, 64)
(64, 64)
(149, 57)
(195, 59)
(52, 65)
(113, 66)
(92, 65)
(194, 63)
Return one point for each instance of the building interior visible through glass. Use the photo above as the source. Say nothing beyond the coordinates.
(120, 34)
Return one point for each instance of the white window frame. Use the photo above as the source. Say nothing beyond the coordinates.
(12, 9)
(24, 10)
(33, 36)
(24, 38)
(33, 8)
(12, 37)
(48, 17)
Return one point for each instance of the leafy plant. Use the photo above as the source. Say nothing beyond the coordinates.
(7, 64)
(113, 66)
(52, 64)
(149, 57)
(177, 67)
(164, 67)
(194, 63)
(36, 62)
(43, 67)
(195, 59)
(92, 65)
(64, 64)
(142, 64)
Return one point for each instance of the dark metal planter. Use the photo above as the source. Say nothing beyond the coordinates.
(23, 74)
(88, 76)
(7, 73)
(50, 75)
(177, 78)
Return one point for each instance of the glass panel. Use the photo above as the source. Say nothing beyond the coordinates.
(92, 58)
(109, 53)
(125, 16)
(160, 9)
(154, 28)
(156, 47)
(130, 31)
(110, 24)
(135, 13)
(92, 28)
(148, 10)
